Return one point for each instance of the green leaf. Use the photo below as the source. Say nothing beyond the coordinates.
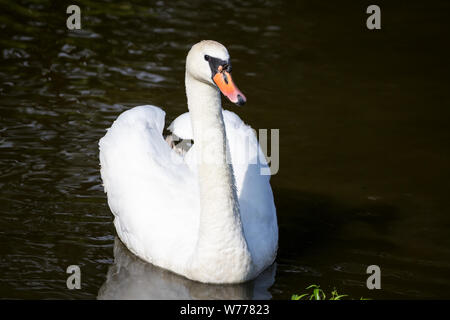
(318, 294)
(313, 286)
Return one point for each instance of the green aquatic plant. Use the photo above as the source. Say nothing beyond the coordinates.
(318, 294)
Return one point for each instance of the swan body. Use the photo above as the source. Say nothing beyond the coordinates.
(208, 214)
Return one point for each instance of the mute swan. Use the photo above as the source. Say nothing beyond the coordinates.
(196, 214)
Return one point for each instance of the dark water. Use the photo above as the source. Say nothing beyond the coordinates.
(364, 137)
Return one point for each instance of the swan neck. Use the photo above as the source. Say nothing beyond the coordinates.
(221, 238)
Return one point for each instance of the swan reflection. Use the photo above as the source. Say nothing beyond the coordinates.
(132, 278)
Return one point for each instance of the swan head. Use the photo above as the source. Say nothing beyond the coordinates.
(208, 61)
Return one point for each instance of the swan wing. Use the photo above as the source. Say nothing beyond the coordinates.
(151, 191)
(256, 200)
(244, 148)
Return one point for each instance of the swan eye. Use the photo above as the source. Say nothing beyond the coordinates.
(207, 57)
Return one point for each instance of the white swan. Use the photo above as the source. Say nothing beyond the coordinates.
(195, 214)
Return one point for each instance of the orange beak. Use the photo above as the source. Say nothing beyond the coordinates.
(226, 85)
